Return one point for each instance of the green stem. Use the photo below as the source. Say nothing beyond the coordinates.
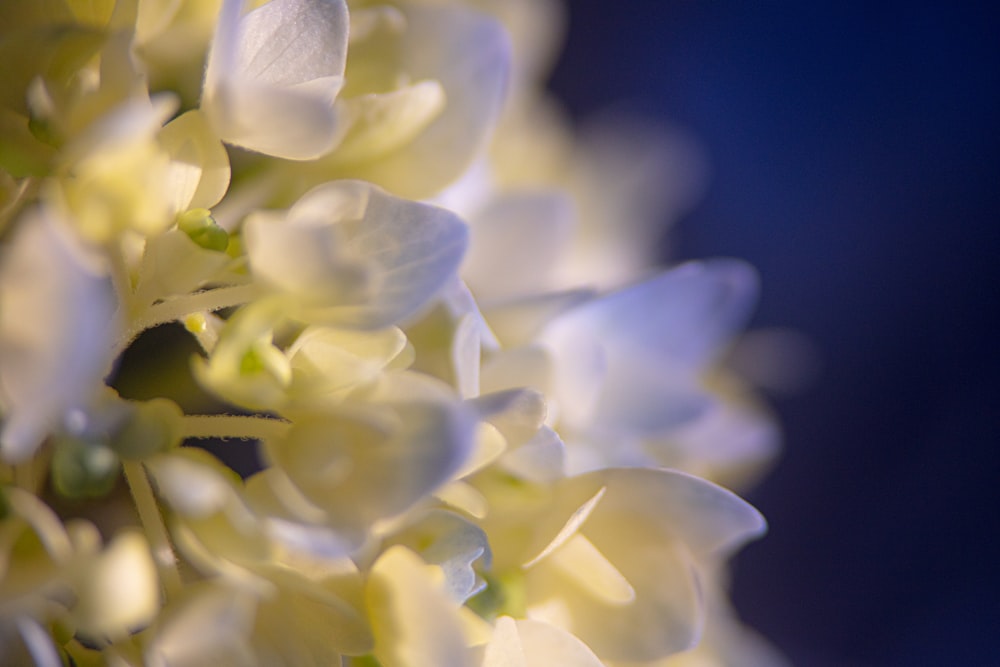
(154, 527)
(233, 426)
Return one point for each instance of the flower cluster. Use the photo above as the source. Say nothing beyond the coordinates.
(489, 433)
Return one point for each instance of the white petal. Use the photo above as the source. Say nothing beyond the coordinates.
(579, 559)
(357, 256)
(365, 465)
(657, 528)
(120, 591)
(325, 359)
(382, 122)
(287, 42)
(416, 250)
(570, 528)
(540, 460)
(56, 331)
(665, 617)
(516, 368)
(504, 649)
(414, 622)
(192, 482)
(709, 519)
(295, 123)
(464, 497)
(545, 645)
(199, 165)
(210, 625)
(515, 243)
(518, 413)
(465, 354)
(469, 54)
(173, 264)
(637, 353)
(452, 543)
(273, 76)
(683, 314)
(519, 322)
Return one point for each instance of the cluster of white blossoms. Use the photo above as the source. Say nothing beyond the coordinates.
(490, 432)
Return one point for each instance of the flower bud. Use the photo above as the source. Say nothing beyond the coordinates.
(83, 468)
(153, 426)
(201, 228)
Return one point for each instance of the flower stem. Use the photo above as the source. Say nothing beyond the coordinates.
(121, 280)
(175, 309)
(154, 527)
(233, 426)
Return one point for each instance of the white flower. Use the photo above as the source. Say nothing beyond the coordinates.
(615, 556)
(632, 362)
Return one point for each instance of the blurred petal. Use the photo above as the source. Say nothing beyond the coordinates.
(515, 243)
(656, 528)
(631, 359)
(541, 459)
(469, 54)
(119, 591)
(365, 463)
(382, 122)
(708, 519)
(210, 625)
(414, 622)
(519, 322)
(56, 324)
(326, 360)
(199, 165)
(173, 264)
(545, 645)
(504, 649)
(579, 559)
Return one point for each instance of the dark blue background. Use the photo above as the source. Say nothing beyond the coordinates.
(855, 150)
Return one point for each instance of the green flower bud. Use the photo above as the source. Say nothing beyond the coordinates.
(153, 426)
(83, 469)
(201, 228)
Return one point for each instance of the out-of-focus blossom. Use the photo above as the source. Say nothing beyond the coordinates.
(56, 318)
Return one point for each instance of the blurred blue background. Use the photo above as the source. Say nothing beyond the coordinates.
(855, 154)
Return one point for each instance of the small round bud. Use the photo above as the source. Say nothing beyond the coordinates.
(196, 323)
(153, 426)
(83, 468)
(201, 228)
